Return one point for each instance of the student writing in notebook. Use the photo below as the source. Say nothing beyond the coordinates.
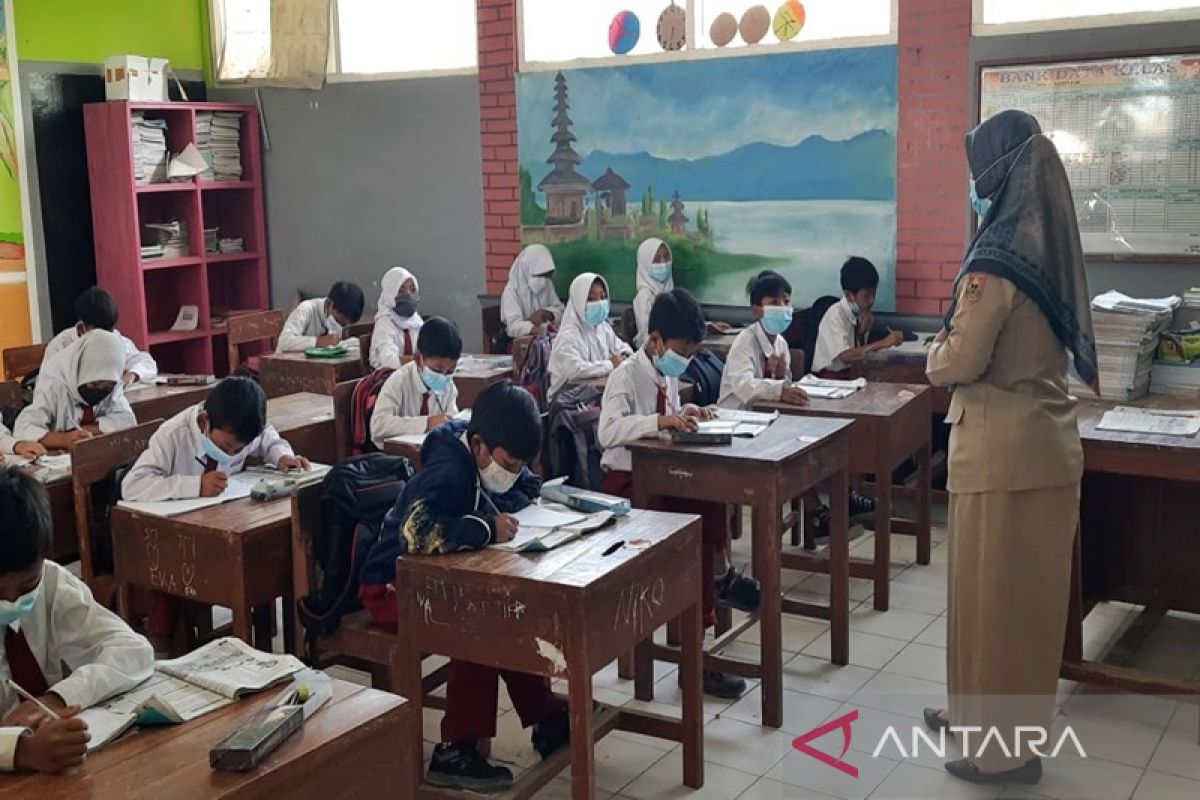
(397, 322)
(586, 345)
(641, 399)
(473, 477)
(843, 338)
(319, 322)
(529, 301)
(60, 645)
(420, 395)
(194, 453)
(96, 309)
(11, 445)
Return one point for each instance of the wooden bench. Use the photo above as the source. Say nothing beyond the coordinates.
(20, 361)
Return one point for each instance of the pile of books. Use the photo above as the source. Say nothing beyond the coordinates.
(218, 138)
(1127, 331)
(211, 240)
(231, 245)
(165, 239)
(149, 149)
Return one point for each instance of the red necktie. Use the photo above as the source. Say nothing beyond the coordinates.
(407, 343)
(88, 418)
(210, 464)
(21, 663)
(661, 406)
(425, 405)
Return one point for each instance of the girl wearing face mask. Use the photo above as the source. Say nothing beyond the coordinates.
(529, 300)
(654, 277)
(397, 322)
(78, 394)
(586, 346)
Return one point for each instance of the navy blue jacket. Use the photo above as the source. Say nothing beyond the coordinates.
(443, 509)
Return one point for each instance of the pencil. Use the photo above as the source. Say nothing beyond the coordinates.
(17, 688)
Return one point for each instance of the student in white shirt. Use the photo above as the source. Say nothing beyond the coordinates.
(641, 399)
(96, 308)
(194, 453)
(759, 365)
(11, 445)
(529, 300)
(319, 322)
(846, 326)
(654, 277)
(397, 322)
(78, 394)
(59, 644)
(421, 395)
(586, 345)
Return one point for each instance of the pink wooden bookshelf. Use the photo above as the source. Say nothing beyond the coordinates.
(150, 291)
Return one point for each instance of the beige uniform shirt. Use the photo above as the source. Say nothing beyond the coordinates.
(1013, 423)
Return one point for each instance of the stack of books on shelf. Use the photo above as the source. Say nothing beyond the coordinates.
(1127, 331)
(211, 240)
(149, 149)
(218, 138)
(169, 237)
(204, 142)
(231, 246)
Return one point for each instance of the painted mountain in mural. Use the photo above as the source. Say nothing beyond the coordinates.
(814, 169)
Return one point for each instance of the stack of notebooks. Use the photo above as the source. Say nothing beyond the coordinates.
(218, 137)
(231, 245)
(1179, 379)
(165, 239)
(211, 240)
(1127, 331)
(149, 149)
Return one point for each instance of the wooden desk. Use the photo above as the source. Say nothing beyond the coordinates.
(890, 426)
(237, 555)
(163, 402)
(471, 384)
(410, 451)
(566, 613)
(65, 545)
(1137, 541)
(347, 749)
(792, 456)
(903, 364)
(305, 419)
(290, 373)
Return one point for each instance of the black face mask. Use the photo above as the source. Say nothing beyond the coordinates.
(92, 396)
(406, 304)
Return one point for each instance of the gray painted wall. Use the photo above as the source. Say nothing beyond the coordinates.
(363, 176)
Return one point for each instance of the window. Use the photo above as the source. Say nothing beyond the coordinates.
(405, 36)
(556, 30)
(1032, 12)
(824, 19)
(257, 42)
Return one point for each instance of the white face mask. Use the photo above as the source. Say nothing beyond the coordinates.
(332, 325)
(496, 479)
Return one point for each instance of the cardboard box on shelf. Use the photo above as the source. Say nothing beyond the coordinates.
(136, 78)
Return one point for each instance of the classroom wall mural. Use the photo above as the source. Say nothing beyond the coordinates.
(784, 161)
(14, 299)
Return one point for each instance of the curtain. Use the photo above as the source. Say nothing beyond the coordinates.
(282, 43)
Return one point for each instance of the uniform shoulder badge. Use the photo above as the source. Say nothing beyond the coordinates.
(974, 291)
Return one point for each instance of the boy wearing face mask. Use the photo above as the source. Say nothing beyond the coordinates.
(473, 477)
(641, 399)
(420, 395)
(759, 365)
(319, 322)
(194, 453)
(846, 327)
(59, 645)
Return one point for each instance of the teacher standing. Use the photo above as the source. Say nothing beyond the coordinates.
(1015, 464)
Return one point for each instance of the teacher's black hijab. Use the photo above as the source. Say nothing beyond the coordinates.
(1030, 235)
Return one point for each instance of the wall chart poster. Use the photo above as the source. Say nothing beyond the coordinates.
(1128, 131)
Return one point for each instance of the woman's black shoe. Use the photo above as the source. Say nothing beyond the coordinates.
(935, 721)
(1028, 773)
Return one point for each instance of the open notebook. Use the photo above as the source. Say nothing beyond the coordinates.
(189, 687)
(739, 423)
(47, 468)
(547, 526)
(828, 389)
(239, 486)
(417, 440)
(1130, 419)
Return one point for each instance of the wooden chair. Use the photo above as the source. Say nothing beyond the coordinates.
(364, 350)
(495, 338)
(20, 361)
(93, 462)
(359, 330)
(343, 417)
(256, 326)
(11, 395)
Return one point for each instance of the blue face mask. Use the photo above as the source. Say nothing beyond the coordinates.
(776, 319)
(981, 205)
(671, 364)
(13, 610)
(661, 272)
(596, 311)
(436, 381)
(215, 453)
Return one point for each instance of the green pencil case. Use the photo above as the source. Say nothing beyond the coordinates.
(326, 352)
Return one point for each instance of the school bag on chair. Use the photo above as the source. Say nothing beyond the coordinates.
(704, 374)
(535, 374)
(355, 496)
(572, 443)
(362, 405)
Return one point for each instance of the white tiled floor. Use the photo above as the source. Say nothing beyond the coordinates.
(1140, 748)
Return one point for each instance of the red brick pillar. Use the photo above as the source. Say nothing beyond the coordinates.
(934, 39)
(497, 22)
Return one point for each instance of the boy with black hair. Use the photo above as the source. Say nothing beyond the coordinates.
(759, 365)
(641, 398)
(844, 335)
(194, 453)
(421, 394)
(319, 322)
(96, 309)
(473, 476)
(60, 645)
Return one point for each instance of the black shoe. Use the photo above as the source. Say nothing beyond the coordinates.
(735, 590)
(459, 766)
(726, 687)
(816, 528)
(1028, 773)
(935, 721)
(552, 734)
(861, 507)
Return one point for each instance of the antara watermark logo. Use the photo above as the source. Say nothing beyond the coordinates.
(1027, 742)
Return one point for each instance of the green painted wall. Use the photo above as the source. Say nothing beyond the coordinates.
(88, 30)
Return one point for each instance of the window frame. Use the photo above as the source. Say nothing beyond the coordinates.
(334, 73)
(981, 28)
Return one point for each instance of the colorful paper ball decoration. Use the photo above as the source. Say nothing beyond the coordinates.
(755, 24)
(723, 29)
(672, 28)
(789, 20)
(624, 32)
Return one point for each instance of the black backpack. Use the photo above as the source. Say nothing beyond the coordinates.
(355, 496)
(704, 373)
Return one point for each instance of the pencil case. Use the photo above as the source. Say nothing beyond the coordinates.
(247, 746)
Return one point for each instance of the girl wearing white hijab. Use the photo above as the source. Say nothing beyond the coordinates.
(529, 300)
(78, 394)
(397, 322)
(654, 277)
(586, 345)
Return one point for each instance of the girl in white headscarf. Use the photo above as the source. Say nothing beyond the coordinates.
(586, 345)
(529, 300)
(654, 277)
(78, 394)
(397, 322)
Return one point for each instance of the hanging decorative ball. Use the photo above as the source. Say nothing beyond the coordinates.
(723, 29)
(624, 32)
(755, 24)
(789, 20)
(672, 28)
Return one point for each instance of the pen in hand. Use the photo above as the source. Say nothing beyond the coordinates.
(16, 687)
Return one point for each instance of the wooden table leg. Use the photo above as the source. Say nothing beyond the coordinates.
(289, 623)
(643, 671)
(924, 487)
(407, 672)
(262, 621)
(583, 759)
(767, 533)
(797, 528)
(691, 662)
(839, 571)
(883, 533)
(242, 622)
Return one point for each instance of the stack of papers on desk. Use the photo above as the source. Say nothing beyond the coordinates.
(1127, 331)
(545, 527)
(47, 468)
(1148, 420)
(828, 389)
(1181, 380)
